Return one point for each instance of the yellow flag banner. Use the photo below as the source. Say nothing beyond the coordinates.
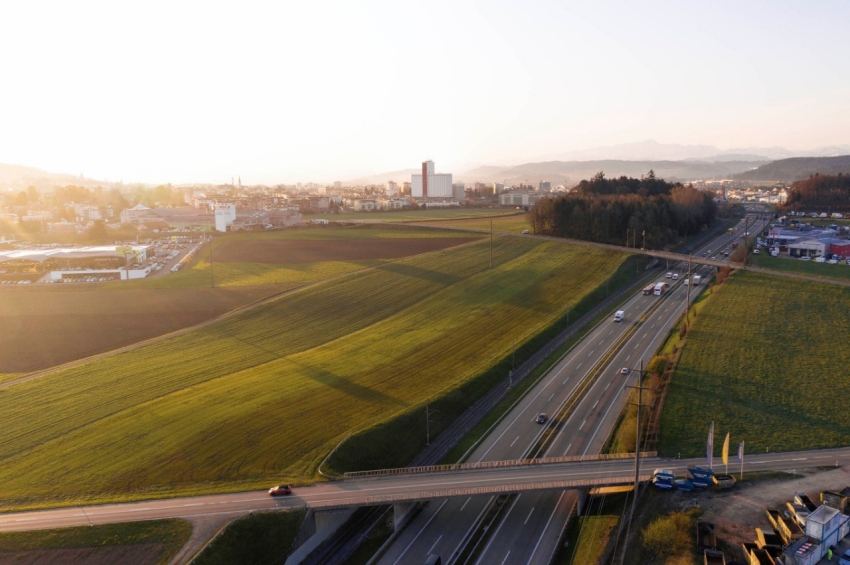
(726, 450)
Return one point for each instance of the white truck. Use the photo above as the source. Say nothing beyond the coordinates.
(696, 279)
(619, 315)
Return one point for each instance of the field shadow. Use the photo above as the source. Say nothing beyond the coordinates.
(420, 273)
(345, 386)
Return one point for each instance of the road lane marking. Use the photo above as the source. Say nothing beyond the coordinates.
(464, 504)
(529, 516)
(496, 533)
(582, 424)
(568, 448)
(546, 527)
(595, 404)
(430, 551)
(508, 554)
(514, 441)
(420, 531)
(606, 386)
(578, 366)
(195, 504)
(475, 523)
(551, 397)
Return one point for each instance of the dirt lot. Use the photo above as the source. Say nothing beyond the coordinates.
(738, 511)
(139, 554)
(43, 327)
(309, 250)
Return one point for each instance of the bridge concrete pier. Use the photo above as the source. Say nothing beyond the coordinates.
(318, 526)
(401, 511)
(581, 501)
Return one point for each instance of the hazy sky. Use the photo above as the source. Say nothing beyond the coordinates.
(306, 90)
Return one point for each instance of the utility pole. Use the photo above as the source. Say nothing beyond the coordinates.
(212, 279)
(688, 292)
(491, 244)
(428, 413)
(741, 457)
(639, 388)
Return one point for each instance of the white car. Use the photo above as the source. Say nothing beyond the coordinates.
(669, 276)
(675, 276)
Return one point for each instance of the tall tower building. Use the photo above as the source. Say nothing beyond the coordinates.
(430, 184)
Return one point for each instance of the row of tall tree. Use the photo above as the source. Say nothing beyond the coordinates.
(821, 192)
(641, 212)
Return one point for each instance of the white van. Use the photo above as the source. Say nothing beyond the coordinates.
(619, 315)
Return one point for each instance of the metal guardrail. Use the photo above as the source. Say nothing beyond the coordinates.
(483, 465)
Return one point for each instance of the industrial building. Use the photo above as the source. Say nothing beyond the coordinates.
(429, 184)
(523, 199)
(60, 263)
(225, 215)
(805, 242)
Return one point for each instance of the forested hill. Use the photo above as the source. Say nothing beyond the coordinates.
(647, 210)
(798, 168)
(828, 193)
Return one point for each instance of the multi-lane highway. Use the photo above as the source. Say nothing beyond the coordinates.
(532, 524)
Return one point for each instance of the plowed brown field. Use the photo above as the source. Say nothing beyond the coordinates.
(312, 250)
(43, 327)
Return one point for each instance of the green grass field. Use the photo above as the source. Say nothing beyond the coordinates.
(765, 361)
(258, 539)
(148, 542)
(262, 397)
(840, 271)
(514, 223)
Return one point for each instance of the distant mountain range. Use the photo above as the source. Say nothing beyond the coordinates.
(651, 150)
(798, 168)
(670, 161)
(19, 177)
(570, 173)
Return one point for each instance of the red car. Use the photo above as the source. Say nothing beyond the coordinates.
(280, 490)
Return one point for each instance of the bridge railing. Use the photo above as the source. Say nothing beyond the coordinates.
(495, 464)
(492, 489)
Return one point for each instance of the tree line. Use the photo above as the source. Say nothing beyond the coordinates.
(646, 212)
(823, 192)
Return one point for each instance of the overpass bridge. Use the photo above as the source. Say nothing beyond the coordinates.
(412, 484)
